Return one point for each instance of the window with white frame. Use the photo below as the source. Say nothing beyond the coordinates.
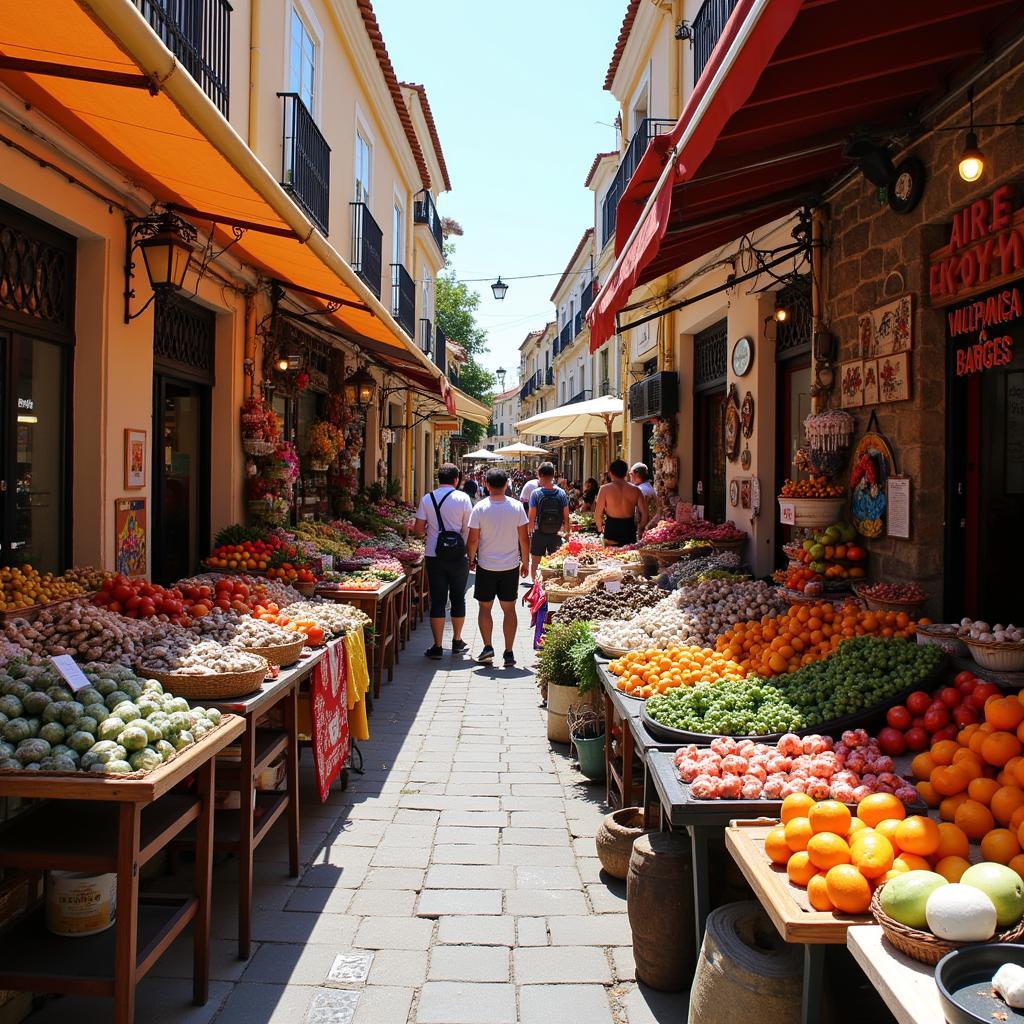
(428, 297)
(302, 62)
(398, 233)
(364, 168)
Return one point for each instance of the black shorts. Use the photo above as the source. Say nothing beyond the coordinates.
(447, 580)
(503, 585)
(544, 543)
(621, 531)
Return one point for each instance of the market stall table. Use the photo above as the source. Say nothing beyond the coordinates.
(243, 830)
(116, 825)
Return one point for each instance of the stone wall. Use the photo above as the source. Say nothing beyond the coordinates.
(874, 255)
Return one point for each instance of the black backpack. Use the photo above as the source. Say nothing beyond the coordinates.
(450, 545)
(549, 513)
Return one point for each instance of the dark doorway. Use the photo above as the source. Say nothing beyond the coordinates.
(709, 377)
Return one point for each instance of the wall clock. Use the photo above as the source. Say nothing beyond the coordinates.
(742, 357)
(908, 186)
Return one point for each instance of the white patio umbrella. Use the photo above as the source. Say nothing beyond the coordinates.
(596, 416)
(521, 449)
(482, 455)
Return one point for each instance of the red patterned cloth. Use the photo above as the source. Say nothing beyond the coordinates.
(329, 711)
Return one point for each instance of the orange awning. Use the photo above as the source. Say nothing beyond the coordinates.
(178, 146)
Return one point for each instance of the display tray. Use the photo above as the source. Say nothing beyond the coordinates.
(830, 591)
(31, 613)
(964, 980)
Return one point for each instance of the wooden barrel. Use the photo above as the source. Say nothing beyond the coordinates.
(615, 838)
(659, 900)
(745, 970)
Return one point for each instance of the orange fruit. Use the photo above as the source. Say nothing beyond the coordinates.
(918, 834)
(848, 889)
(944, 751)
(949, 780)
(1018, 771)
(951, 868)
(1017, 863)
(817, 893)
(1000, 845)
(796, 805)
(999, 747)
(952, 842)
(911, 862)
(975, 819)
(888, 828)
(895, 871)
(798, 831)
(1005, 801)
(830, 816)
(971, 765)
(926, 791)
(776, 847)
(800, 869)
(856, 827)
(1016, 818)
(880, 807)
(826, 850)
(947, 809)
(922, 766)
(983, 790)
(1005, 713)
(873, 855)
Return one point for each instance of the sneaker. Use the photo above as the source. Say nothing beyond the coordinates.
(434, 652)
(510, 659)
(459, 647)
(486, 656)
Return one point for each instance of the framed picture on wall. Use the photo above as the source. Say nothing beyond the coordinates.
(894, 377)
(134, 459)
(870, 382)
(851, 383)
(130, 536)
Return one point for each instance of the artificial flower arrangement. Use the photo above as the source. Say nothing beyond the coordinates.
(322, 446)
(259, 421)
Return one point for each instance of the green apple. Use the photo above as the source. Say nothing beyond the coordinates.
(1003, 886)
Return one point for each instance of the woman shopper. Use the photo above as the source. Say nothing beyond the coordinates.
(443, 518)
(499, 544)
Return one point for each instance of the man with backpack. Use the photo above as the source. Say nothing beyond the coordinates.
(443, 518)
(549, 516)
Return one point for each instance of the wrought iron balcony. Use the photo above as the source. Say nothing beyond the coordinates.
(708, 27)
(580, 396)
(577, 329)
(425, 212)
(549, 376)
(440, 348)
(305, 160)
(587, 298)
(538, 380)
(648, 128)
(426, 335)
(367, 239)
(198, 33)
(565, 338)
(403, 299)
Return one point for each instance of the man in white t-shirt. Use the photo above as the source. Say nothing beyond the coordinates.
(444, 512)
(499, 543)
(526, 492)
(640, 476)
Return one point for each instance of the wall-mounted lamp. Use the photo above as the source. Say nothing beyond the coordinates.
(285, 362)
(167, 243)
(684, 30)
(360, 388)
(500, 374)
(873, 160)
(499, 288)
(781, 315)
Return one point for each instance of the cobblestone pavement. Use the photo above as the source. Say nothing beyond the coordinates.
(455, 882)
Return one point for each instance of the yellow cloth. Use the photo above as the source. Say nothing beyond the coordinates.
(357, 682)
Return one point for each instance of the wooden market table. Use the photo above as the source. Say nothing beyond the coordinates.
(243, 830)
(106, 824)
(907, 987)
(382, 607)
(787, 906)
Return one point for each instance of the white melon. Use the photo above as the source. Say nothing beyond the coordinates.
(961, 913)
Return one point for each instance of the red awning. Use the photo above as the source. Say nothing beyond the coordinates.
(788, 84)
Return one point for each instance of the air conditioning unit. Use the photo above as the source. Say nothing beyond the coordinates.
(654, 397)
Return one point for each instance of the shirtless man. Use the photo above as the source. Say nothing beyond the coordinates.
(620, 511)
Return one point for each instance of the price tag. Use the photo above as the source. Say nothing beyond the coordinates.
(787, 513)
(70, 672)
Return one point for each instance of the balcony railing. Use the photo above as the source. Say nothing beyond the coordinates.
(549, 376)
(708, 27)
(403, 299)
(580, 396)
(440, 348)
(425, 212)
(306, 160)
(577, 325)
(366, 247)
(198, 33)
(648, 128)
(565, 338)
(426, 336)
(587, 298)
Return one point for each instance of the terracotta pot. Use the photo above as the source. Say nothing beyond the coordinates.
(615, 839)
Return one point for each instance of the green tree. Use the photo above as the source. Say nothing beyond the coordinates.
(456, 305)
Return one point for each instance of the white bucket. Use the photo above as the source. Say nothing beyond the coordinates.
(80, 904)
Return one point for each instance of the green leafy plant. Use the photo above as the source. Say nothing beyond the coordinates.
(567, 657)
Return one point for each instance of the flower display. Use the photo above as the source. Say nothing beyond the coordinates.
(322, 445)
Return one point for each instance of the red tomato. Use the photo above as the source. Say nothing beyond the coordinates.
(966, 686)
(108, 585)
(964, 677)
(917, 739)
(899, 718)
(122, 592)
(918, 702)
(947, 733)
(965, 715)
(146, 590)
(115, 606)
(147, 608)
(936, 718)
(982, 692)
(951, 696)
(917, 722)
(133, 602)
(892, 742)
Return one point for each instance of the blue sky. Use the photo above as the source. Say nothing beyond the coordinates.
(516, 91)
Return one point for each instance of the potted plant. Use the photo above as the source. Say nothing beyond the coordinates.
(567, 668)
(586, 734)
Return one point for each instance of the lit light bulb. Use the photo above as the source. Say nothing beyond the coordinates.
(781, 314)
(282, 363)
(972, 161)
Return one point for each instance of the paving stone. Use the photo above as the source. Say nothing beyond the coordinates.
(406, 968)
(541, 1004)
(332, 1006)
(401, 856)
(463, 876)
(607, 899)
(466, 854)
(623, 963)
(478, 930)
(268, 1004)
(469, 963)
(383, 1005)
(394, 878)
(557, 965)
(291, 963)
(474, 819)
(595, 930)
(643, 1005)
(590, 870)
(384, 903)
(316, 899)
(438, 902)
(531, 931)
(537, 856)
(545, 902)
(537, 819)
(535, 836)
(394, 933)
(585, 847)
(157, 1001)
(447, 1002)
(396, 835)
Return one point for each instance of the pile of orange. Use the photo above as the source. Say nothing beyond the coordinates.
(840, 859)
(774, 645)
(977, 781)
(644, 673)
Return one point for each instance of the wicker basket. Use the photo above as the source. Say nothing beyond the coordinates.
(258, 448)
(225, 686)
(613, 652)
(876, 604)
(559, 590)
(666, 556)
(729, 545)
(547, 574)
(305, 589)
(1000, 657)
(813, 511)
(280, 654)
(943, 636)
(924, 947)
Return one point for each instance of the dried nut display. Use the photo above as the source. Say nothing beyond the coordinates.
(977, 629)
(252, 632)
(598, 603)
(332, 617)
(187, 657)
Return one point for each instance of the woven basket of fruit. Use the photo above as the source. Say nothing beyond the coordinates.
(812, 511)
(223, 686)
(943, 635)
(667, 556)
(737, 544)
(891, 597)
(280, 654)
(561, 588)
(924, 946)
(998, 655)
